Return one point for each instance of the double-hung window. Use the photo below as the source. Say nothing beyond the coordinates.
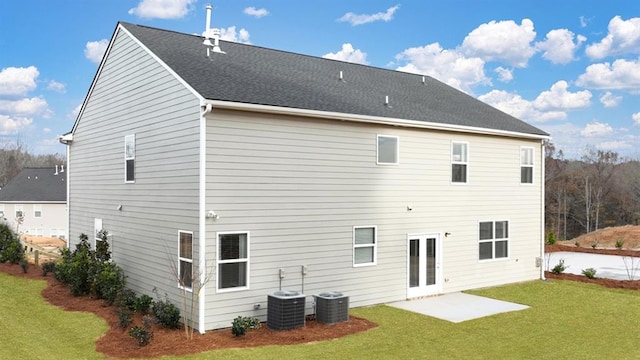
(37, 210)
(130, 158)
(19, 210)
(459, 161)
(526, 165)
(364, 245)
(233, 261)
(388, 149)
(185, 259)
(493, 240)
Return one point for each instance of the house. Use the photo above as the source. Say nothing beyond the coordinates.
(273, 170)
(34, 202)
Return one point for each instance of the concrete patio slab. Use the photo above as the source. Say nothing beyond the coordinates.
(457, 307)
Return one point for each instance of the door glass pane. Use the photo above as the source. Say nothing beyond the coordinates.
(431, 261)
(414, 263)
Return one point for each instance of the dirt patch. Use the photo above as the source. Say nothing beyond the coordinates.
(116, 343)
(570, 248)
(607, 237)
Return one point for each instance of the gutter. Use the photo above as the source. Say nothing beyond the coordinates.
(66, 140)
(230, 105)
(542, 199)
(202, 215)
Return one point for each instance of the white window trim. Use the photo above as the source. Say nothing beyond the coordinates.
(132, 136)
(16, 208)
(453, 142)
(493, 241)
(218, 261)
(2, 215)
(37, 208)
(374, 245)
(532, 165)
(378, 150)
(180, 258)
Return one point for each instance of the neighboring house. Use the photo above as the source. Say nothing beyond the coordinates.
(270, 170)
(34, 202)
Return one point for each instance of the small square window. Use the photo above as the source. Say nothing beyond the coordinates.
(364, 246)
(388, 150)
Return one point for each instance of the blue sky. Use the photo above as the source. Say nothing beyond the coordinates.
(571, 68)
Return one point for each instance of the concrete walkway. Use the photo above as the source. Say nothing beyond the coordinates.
(607, 266)
(457, 307)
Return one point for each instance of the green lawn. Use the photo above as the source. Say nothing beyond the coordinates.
(566, 320)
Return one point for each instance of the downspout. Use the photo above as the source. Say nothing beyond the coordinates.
(66, 141)
(542, 204)
(202, 214)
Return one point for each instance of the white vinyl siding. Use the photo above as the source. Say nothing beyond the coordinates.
(388, 150)
(364, 245)
(526, 165)
(459, 162)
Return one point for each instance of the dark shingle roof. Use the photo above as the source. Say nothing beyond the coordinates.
(256, 75)
(36, 185)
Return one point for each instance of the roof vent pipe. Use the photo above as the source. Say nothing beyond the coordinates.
(211, 33)
(207, 27)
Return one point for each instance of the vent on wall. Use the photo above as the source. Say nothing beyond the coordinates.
(285, 310)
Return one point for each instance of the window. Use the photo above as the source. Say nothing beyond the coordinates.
(526, 165)
(459, 161)
(233, 261)
(37, 210)
(97, 230)
(1, 210)
(388, 150)
(494, 240)
(185, 259)
(129, 158)
(19, 210)
(364, 245)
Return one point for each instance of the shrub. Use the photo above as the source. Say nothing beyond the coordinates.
(167, 314)
(143, 303)
(76, 267)
(108, 281)
(559, 268)
(48, 267)
(11, 249)
(126, 299)
(124, 317)
(594, 244)
(551, 238)
(143, 333)
(24, 264)
(589, 272)
(242, 324)
(577, 243)
(619, 244)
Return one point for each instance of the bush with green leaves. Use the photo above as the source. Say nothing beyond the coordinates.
(143, 334)
(108, 281)
(126, 299)
(242, 324)
(167, 314)
(589, 272)
(559, 268)
(48, 267)
(143, 304)
(124, 317)
(619, 244)
(551, 238)
(11, 250)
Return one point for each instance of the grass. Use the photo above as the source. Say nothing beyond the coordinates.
(30, 328)
(565, 320)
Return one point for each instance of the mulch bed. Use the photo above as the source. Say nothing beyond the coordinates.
(116, 343)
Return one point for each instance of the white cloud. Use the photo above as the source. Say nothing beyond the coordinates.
(16, 81)
(349, 54)
(12, 125)
(25, 106)
(623, 38)
(448, 66)
(636, 118)
(162, 9)
(584, 21)
(504, 75)
(609, 100)
(596, 129)
(622, 74)
(359, 19)
(94, 50)
(558, 98)
(515, 105)
(614, 145)
(46, 130)
(257, 13)
(559, 47)
(230, 34)
(56, 86)
(503, 41)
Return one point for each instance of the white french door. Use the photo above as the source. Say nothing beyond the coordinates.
(423, 265)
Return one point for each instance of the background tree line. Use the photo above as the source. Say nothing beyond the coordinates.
(599, 190)
(15, 157)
